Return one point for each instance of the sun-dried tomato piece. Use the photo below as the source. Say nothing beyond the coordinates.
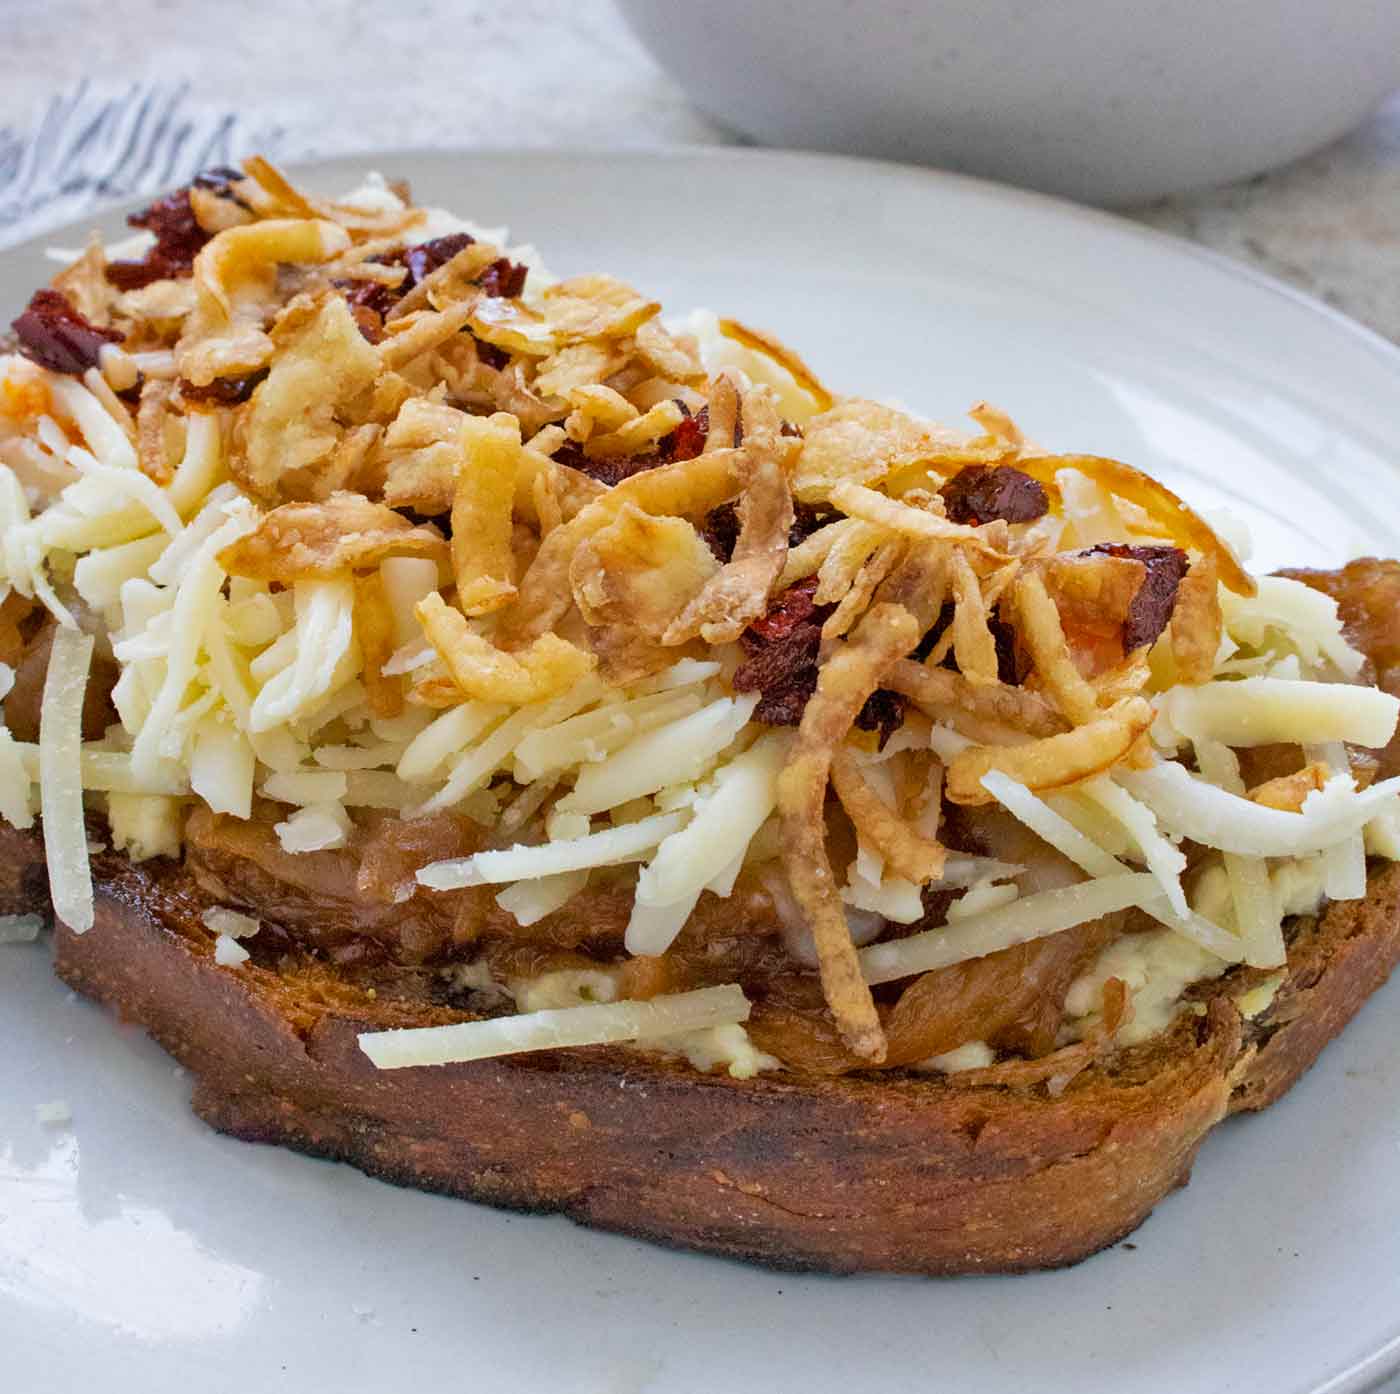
(781, 655)
(370, 297)
(1003, 636)
(781, 652)
(179, 236)
(369, 321)
(492, 356)
(688, 439)
(808, 518)
(426, 257)
(1156, 597)
(783, 670)
(789, 609)
(883, 712)
(721, 530)
(981, 493)
(54, 335)
(609, 470)
(504, 278)
(222, 392)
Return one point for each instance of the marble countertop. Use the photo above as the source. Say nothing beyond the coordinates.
(324, 77)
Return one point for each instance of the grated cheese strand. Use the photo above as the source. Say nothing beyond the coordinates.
(596, 1024)
(61, 778)
(1192, 808)
(627, 843)
(1256, 906)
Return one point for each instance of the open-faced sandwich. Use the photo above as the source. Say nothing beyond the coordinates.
(534, 751)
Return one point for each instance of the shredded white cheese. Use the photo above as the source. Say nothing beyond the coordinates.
(631, 842)
(1191, 807)
(229, 953)
(598, 1024)
(1264, 711)
(61, 778)
(230, 922)
(975, 1055)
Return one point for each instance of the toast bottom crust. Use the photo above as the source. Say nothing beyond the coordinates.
(889, 1173)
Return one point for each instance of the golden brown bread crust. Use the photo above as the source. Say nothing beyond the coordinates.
(899, 1173)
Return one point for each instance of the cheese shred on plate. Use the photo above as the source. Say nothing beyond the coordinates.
(387, 553)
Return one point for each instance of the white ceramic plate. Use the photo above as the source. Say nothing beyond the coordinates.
(141, 1252)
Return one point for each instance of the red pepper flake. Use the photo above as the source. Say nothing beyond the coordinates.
(1156, 597)
(979, 494)
(54, 335)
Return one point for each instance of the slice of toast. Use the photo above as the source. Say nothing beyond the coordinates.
(894, 1171)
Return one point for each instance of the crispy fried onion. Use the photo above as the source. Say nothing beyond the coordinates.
(950, 697)
(862, 442)
(856, 501)
(594, 307)
(295, 418)
(1052, 762)
(235, 282)
(270, 192)
(973, 644)
(1039, 629)
(483, 559)
(739, 592)
(673, 356)
(686, 488)
(786, 358)
(886, 632)
(1184, 526)
(313, 541)
(578, 365)
(637, 434)
(422, 331)
(876, 567)
(1196, 624)
(907, 853)
(151, 417)
(373, 619)
(640, 571)
(1092, 590)
(597, 407)
(481, 671)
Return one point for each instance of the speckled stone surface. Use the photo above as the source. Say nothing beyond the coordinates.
(336, 76)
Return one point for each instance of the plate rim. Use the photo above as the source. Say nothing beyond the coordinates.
(1368, 1370)
(1108, 220)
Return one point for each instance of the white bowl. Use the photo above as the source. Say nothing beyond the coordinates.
(1105, 100)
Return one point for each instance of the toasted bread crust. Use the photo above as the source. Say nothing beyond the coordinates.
(885, 1172)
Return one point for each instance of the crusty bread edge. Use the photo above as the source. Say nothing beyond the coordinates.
(887, 1173)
